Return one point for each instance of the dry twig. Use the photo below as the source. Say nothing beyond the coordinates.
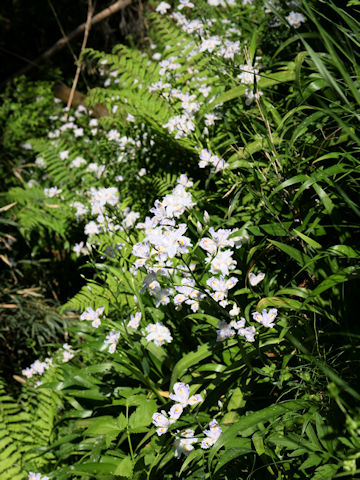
(78, 69)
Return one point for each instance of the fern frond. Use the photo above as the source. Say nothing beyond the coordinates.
(10, 453)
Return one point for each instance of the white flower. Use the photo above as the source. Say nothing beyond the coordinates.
(222, 262)
(112, 339)
(181, 395)
(162, 7)
(234, 312)
(182, 125)
(248, 332)
(255, 279)
(239, 324)
(205, 90)
(77, 162)
(206, 158)
(93, 316)
(81, 209)
(225, 331)
(250, 96)
(52, 192)
(27, 372)
(32, 183)
(266, 318)
(134, 320)
(34, 476)
(162, 421)
(229, 49)
(185, 3)
(295, 19)
(210, 119)
(248, 74)
(221, 287)
(184, 445)
(130, 218)
(142, 172)
(158, 333)
(78, 132)
(175, 411)
(64, 155)
(209, 44)
(162, 296)
(212, 434)
(188, 294)
(91, 228)
(67, 353)
(185, 182)
(113, 135)
(40, 162)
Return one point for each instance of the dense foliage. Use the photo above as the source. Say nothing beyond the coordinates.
(211, 213)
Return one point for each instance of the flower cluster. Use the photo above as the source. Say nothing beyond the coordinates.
(52, 192)
(112, 340)
(249, 73)
(158, 333)
(188, 294)
(164, 239)
(67, 353)
(207, 158)
(182, 125)
(212, 434)
(220, 288)
(218, 247)
(37, 368)
(184, 441)
(182, 398)
(93, 316)
(227, 330)
(295, 19)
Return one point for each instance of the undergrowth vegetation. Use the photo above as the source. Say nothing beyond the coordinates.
(210, 214)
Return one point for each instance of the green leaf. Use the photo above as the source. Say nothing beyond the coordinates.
(274, 229)
(344, 250)
(288, 303)
(240, 446)
(313, 460)
(266, 80)
(195, 454)
(236, 400)
(325, 472)
(95, 468)
(90, 394)
(142, 416)
(301, 258)
(333, 280)
(125, 468)
(307, 239)
(258, 444)
(187, 361)
(102, 425)
(245, 422)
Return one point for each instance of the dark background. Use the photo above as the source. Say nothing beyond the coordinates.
(29, 28)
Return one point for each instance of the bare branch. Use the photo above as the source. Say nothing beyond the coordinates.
(119, 5)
